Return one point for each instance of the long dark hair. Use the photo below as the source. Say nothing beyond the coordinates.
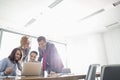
(12, 55)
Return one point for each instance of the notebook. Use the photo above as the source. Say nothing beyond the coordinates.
(31, 69)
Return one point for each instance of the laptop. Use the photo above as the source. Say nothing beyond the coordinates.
(31, 69)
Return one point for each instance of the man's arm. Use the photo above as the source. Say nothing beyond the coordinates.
(56, 60)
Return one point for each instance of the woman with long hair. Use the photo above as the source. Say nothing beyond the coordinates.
(9, 65)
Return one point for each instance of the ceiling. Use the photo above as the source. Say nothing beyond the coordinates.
(59, 18)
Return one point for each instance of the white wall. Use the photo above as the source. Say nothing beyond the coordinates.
(112, 45)
(85, 50)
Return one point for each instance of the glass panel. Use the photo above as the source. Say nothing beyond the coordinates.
(12, 40)
(8, 43)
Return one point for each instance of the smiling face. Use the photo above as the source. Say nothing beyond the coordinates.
(42, 44)
(33, 57)
(18, 55)
(26, 46)
(25, 42)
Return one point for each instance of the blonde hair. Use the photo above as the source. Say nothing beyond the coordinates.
(24, 40)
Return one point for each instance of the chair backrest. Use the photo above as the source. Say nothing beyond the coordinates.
(66, 70)
(110, 72)
(91, 74)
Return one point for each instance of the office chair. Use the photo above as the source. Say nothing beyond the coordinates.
(66, 70)
(110, 72)
(91, 74)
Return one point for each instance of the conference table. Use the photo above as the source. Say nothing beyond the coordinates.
(62, 77)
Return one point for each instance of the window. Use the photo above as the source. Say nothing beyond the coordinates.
(9, 41)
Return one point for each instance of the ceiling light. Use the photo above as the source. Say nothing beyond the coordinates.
(55, 3)
(116, 3)
(112, 24)
(30, 22)
(93, 14)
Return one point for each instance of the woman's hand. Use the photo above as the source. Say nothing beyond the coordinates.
(8, 70)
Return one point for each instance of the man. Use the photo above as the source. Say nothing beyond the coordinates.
(51, 59)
